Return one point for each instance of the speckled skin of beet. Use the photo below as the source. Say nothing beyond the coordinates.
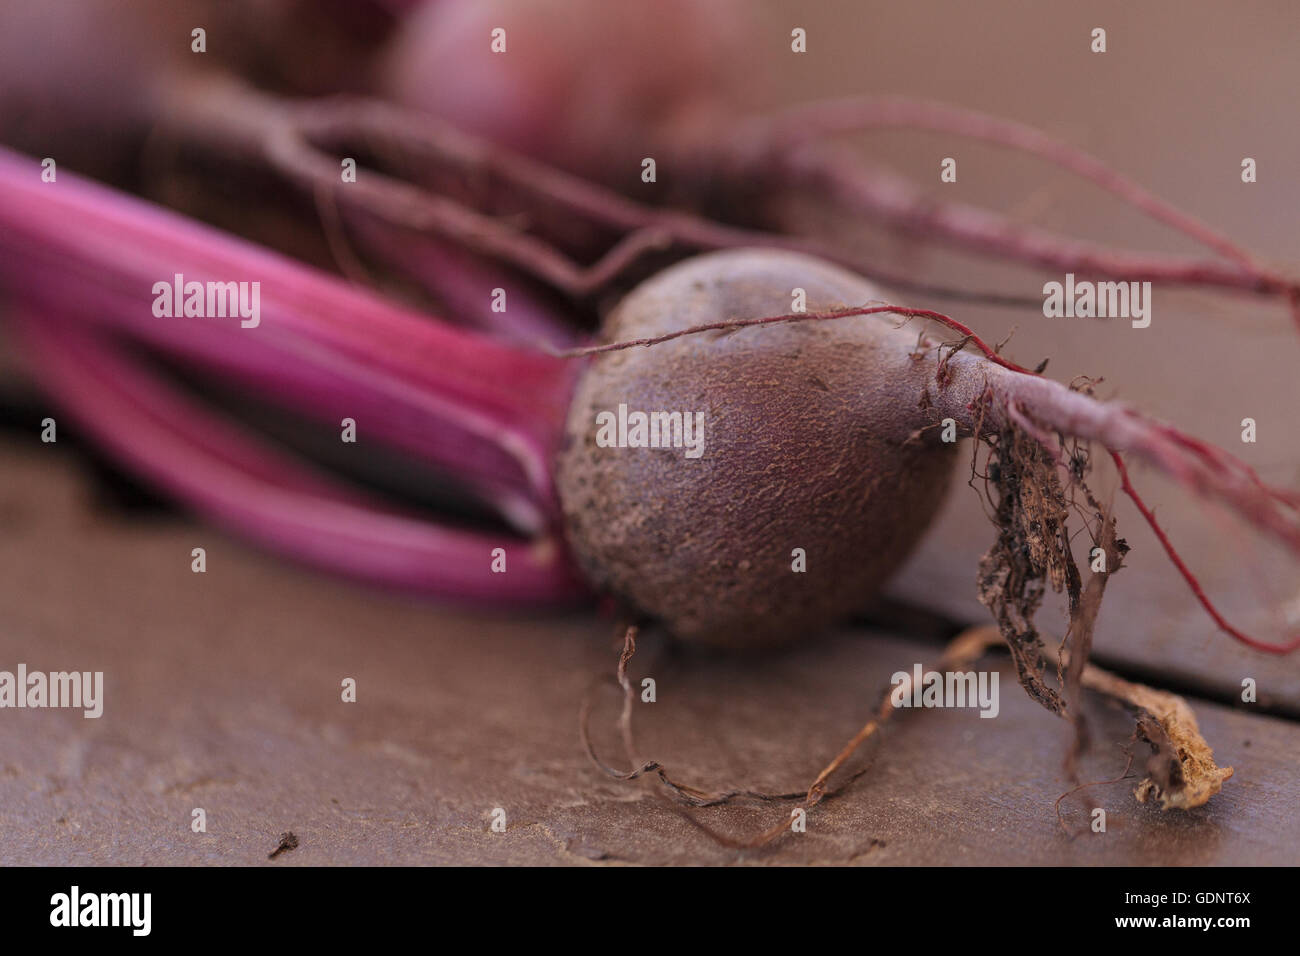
(806, 445)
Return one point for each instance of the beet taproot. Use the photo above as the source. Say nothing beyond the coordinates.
(810, 442)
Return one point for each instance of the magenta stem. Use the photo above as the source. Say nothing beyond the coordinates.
(465, 283)
(268, 497)
(795, 133)
(489, 414)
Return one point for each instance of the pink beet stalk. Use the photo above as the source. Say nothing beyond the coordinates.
(792, 142)
(465, 285)
(483, 411)
(226, 475)
(81, 262)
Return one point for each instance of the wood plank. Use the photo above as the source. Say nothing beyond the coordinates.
(223, 693)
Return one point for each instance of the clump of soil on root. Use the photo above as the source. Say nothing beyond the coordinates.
(1031, 553)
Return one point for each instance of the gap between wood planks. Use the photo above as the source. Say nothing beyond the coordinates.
(931, 627)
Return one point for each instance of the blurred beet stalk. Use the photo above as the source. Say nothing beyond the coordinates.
(79, 263)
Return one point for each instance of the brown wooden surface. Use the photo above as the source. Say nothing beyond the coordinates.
(222, 692)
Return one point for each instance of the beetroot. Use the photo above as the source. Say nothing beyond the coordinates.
(826, 432)
(807, 445)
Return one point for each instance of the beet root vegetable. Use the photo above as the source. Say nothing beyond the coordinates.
(808, 446)
(826, 436)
